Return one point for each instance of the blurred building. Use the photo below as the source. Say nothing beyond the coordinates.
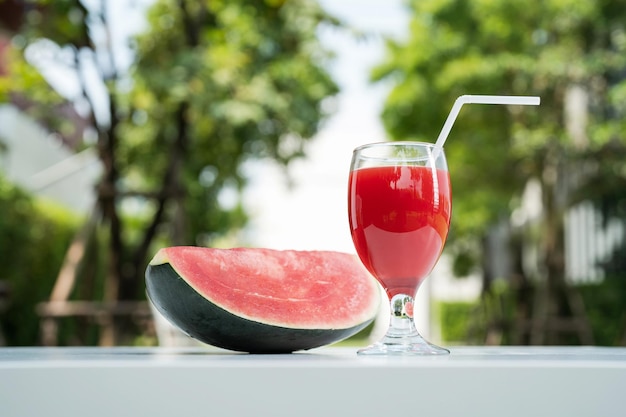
(42, 164)
(31, 155)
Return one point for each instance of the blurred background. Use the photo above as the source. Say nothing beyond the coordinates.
(129, 125)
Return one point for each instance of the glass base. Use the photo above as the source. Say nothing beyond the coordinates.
(402, 337)
(415, 345)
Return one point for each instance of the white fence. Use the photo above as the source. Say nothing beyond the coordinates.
(588, 242)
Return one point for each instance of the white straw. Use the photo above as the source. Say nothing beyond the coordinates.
(472, 99)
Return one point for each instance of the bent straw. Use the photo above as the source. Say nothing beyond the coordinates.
(480, 99)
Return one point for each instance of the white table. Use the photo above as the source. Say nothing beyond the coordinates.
(497, 381)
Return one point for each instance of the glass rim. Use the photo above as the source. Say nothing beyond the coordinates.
(431, 150)
(414, 143)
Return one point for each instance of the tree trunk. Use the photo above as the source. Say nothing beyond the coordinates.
(126, 265)
(558, 309)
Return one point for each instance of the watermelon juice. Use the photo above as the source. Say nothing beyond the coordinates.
(399, 220)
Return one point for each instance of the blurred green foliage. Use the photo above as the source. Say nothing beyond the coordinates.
(209, 86)
(508, 47)
(248, 80)
(571, 53)
(605, 306)
(34, 235)
(245, 79)
(454, 320)
(470, 323)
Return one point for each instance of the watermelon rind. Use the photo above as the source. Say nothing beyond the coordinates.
(209, 323)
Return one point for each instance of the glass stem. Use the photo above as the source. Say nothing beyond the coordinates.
(402, 337)
(401, 322)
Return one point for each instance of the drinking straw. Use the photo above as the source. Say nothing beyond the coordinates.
(481, 99)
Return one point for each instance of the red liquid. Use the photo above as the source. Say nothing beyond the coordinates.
(399, 219)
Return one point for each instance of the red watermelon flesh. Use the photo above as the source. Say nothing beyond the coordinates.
(262, 300)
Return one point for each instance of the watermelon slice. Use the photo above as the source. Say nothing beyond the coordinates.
(262, 300)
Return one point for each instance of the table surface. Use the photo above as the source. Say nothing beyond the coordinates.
(481, 381)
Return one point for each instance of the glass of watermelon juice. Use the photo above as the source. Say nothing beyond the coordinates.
(399, 204)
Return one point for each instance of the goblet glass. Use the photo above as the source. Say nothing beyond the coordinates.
(399, 204)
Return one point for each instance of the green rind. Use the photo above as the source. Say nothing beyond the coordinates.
(203, 320)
